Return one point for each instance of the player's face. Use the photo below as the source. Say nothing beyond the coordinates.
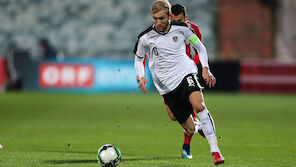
(179, 17)
(161, 20)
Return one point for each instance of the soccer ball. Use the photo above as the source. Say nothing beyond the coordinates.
(109, 155)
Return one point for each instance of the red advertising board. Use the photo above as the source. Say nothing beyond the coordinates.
(268, 76)
(3, 73)
(66, 75)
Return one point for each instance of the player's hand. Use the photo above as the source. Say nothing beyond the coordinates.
(138, 79)
(208, 77)
(142, 83)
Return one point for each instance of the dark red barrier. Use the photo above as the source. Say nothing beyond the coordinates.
(268, 76)
(3, 73)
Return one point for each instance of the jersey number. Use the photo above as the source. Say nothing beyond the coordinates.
(190, 81)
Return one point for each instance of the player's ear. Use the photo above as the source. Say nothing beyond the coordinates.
(170, 16)
(186, 18)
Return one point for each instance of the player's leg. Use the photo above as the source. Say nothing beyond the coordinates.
(177, 102)
(186, 153)
(171, 115)
(208, 126)
(187, 141)
(187, 137)
(194, 116)
(175, 106)
(190, 129)
(197, 121)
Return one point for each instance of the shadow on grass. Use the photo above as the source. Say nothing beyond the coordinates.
(74, 152)
(66, 151)
(150, 159)
(72, 161)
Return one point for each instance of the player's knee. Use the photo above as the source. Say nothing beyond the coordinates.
(199, 107)
(190, 130)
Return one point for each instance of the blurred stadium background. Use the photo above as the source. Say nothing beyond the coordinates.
(251, 44)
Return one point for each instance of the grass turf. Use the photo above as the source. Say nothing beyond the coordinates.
(39, 129)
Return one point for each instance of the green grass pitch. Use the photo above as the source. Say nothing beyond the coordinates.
(38, 129)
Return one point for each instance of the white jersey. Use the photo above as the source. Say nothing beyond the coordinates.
(167, 59)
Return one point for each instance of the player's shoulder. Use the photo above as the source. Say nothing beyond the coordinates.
(195, 28)
(193, 25)
(181, 24)
(145, 31)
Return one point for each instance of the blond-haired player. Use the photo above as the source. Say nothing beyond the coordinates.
(174, 73)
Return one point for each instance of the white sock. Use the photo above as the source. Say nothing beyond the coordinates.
(208, 127)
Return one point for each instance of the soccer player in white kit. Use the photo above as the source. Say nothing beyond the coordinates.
(174, 73)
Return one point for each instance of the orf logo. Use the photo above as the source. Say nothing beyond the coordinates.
(66, 75)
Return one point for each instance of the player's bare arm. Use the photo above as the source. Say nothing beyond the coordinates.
(208, 77)
(142, 86)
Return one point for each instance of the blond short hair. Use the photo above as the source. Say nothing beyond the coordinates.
(161, 5)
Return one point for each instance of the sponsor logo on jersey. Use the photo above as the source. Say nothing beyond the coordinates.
(175, 39)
